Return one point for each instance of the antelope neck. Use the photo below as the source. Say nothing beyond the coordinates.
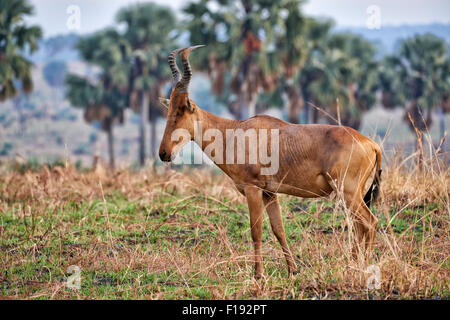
(211, 121)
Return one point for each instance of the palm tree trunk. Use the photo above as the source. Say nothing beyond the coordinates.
(111, 146)
(144, 117)
(293, 113)
(306, 105)
(315, 115)
(295, 104)
(252, 106)
(442, 139)
(242, 106)
(152, 137)
(440, 112)
(306, 113)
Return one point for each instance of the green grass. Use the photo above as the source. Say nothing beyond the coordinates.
(166, 243)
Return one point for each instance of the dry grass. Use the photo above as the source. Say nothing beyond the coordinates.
(172, 235)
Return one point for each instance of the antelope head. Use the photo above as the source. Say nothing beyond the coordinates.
(182, 110)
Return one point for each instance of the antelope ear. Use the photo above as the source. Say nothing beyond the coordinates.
(165, 102)
(189, 105)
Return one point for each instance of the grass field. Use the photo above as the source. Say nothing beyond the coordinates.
(186, 235)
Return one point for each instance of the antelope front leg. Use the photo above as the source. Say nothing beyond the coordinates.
(276, 221)
(254, 200)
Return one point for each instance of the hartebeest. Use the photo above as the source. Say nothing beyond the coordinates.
(314, 160)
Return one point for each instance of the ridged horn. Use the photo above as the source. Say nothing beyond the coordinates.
(187, 71)
(173, 65)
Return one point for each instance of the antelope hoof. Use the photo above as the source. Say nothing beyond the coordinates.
(293, 272)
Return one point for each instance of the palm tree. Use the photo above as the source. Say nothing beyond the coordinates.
(391, 75)
(241, 49)
(425, 58)
(444, 106)
(341, 77)
(418, 78)
(364, 84)
(303, 37)
(292, 48)
(105, 97)
(149, 34)
(300, 36)
(15, 39)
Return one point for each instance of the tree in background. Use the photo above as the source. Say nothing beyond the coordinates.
(445, 100)
(149, 35)
(391, 75)
(259, 45)
(301, 38)
(240, 48)
(104, 98)
(341, 77)
(417, 77)
(425, 60)
(15, 39)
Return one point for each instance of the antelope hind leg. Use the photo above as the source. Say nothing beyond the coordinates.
(254, 200)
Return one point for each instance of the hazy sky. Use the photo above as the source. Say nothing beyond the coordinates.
(95, 14)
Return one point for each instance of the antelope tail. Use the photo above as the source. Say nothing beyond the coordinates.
(374, 190)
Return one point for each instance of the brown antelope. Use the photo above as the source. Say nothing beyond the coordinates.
(314, 160)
